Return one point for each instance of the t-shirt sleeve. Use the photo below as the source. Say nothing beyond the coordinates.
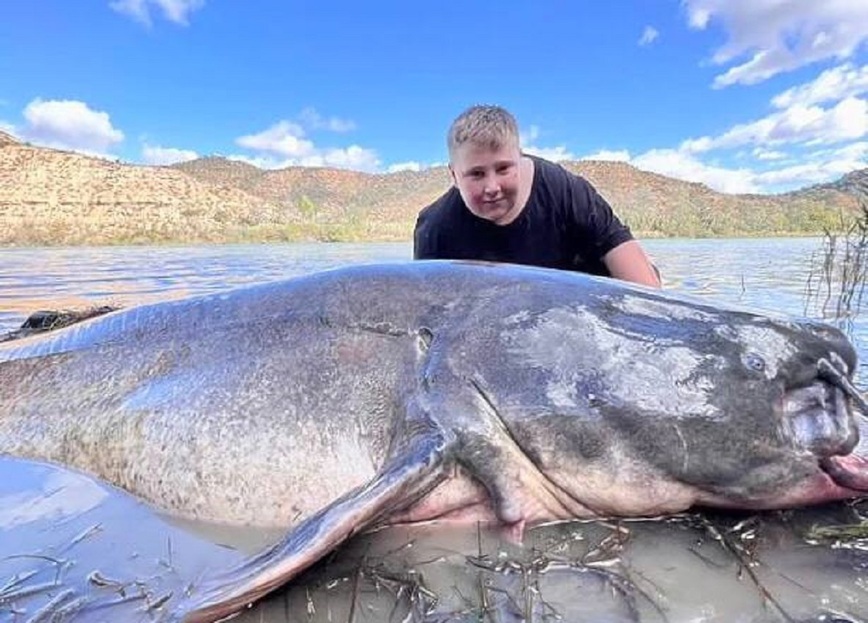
(423, 249)
(433, 226)
(595, 223)
(425, 237)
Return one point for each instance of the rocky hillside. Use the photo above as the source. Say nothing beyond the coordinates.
(660, 205)
(7, 139)
(49, 196)
(57, 197)
(652, 204)
(854, 184)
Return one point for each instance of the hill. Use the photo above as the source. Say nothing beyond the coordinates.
(49, 196)
(662, 206)
(7, 139)
(652, 204)
(854, 184)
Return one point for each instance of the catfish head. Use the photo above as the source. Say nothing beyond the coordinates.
(635, 402)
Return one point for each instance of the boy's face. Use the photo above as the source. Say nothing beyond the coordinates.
(489, 180)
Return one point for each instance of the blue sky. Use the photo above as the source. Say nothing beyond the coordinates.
(741, 95)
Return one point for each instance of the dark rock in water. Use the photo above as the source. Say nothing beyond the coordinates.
(55, 319)
(48, 320)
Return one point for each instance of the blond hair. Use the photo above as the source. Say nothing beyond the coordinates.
(486, 126)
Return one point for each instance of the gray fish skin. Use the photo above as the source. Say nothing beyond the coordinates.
(367, 395)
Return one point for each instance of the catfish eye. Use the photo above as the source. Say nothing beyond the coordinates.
(754, 362)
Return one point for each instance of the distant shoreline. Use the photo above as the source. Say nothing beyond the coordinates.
(241, 240)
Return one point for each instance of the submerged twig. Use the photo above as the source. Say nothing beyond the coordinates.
(355, 596)
(746, 560)
(46, 613)
(846, 536)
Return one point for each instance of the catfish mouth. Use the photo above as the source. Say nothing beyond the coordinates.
(821, 421)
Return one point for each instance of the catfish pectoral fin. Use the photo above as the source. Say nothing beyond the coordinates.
(409, 475)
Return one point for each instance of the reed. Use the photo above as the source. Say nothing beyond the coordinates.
(835, 286)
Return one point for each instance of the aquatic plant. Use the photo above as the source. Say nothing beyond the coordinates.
(838, 270)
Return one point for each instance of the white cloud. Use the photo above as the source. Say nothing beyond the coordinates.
(649, 36)
(777, 145)
(815, 167)
(846, 120)
(153, 154)
(555, 154)
(832, 85)
(609, 155)
(802, 175)
(287, 141)
(314, 121)
(283, 138)
(767, 154)
(857, 152)
(777, 36)
(262, 162)
(404, 166)
(529, 137)
(823, 112)
(685, 166)
(352, 157)
(177, 11)
(69, 124)
(818, 167)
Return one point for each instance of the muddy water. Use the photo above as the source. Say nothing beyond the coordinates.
(88, 552)
(696, 568)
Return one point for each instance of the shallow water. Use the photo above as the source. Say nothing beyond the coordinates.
(719, 568)
(685, 570)
(79, 550)
(74, 546)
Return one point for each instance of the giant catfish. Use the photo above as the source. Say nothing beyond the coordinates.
(353, 398)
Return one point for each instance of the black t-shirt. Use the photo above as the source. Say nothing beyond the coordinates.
(566, 224)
